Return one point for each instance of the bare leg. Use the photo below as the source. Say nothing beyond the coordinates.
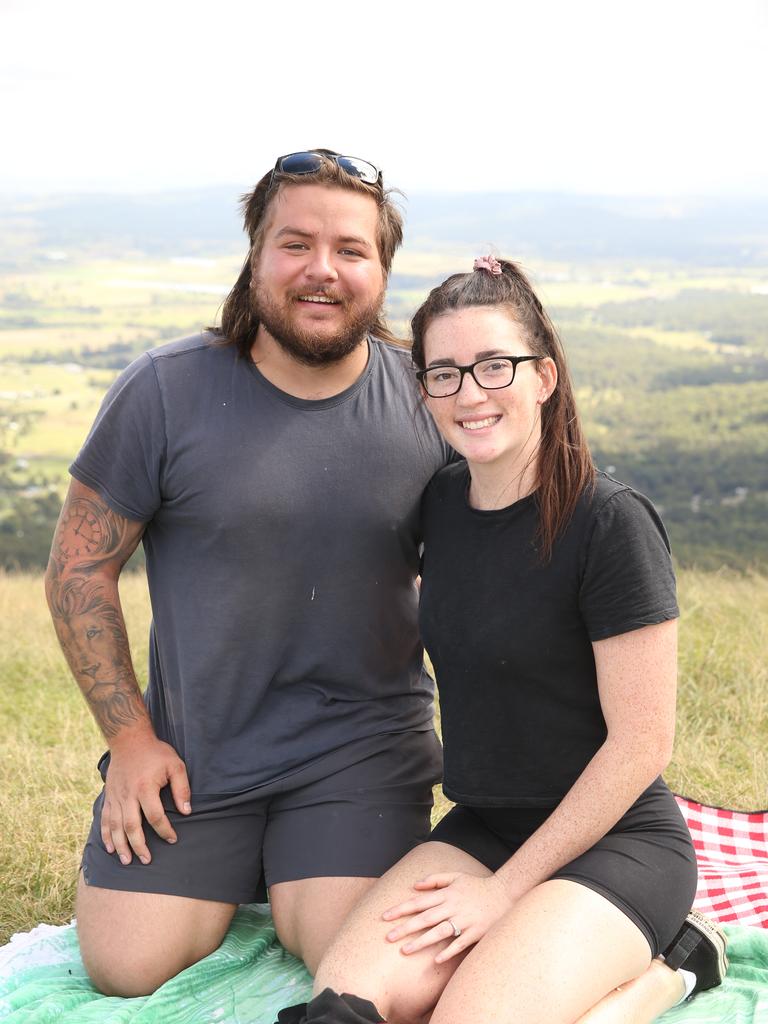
(361, 961)
(132, 942)
(405, 989)
(308, 913)
(559, 951)
(639, 1001)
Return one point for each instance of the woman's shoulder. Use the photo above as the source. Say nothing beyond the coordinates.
(609, 494)
(606, 487)
(626, 575)
(616, 509)
(448, 484)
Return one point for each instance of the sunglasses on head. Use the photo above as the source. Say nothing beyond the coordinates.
(309, 161)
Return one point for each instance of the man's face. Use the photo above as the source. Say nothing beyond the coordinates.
(318, 283)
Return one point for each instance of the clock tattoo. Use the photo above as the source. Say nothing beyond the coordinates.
(85, 530)
(82, 532)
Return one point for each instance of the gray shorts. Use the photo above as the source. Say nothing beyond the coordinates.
(353, 814)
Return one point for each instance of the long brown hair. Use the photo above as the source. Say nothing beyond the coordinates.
(238, 321)
(565, 467)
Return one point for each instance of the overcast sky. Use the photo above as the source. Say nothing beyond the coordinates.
(658, 97)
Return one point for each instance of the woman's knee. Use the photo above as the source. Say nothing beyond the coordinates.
(361, 960)
(404, 989)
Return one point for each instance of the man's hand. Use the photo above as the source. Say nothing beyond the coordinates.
(139, 768)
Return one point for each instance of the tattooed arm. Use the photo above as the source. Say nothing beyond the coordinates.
(91, 545)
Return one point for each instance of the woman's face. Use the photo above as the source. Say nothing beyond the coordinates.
(500, 427)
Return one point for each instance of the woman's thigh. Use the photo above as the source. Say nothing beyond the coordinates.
(361, 960)
(557, 953)
(645, 866)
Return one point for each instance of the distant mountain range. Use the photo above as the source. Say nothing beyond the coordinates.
(548, 226)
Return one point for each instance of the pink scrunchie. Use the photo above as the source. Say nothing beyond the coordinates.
(489, 263)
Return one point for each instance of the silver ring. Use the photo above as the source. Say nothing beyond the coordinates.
(456, 931)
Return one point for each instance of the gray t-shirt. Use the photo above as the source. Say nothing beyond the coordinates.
(281, 546)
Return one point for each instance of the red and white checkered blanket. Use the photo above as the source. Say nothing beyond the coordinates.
(732, 852)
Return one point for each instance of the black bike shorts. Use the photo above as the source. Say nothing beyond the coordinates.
(645, 865)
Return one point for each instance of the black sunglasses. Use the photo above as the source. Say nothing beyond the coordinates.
(309, 161)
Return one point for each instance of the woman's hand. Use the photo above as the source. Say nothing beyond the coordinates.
(450, 906)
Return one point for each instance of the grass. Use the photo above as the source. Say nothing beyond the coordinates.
(721, 753)
(47, 764)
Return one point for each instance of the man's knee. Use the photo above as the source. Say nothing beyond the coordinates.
(132, 943)
(308, 913)
(130, 971)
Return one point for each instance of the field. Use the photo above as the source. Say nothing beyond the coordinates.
(67, 327)
(670, 365)
(50, 748)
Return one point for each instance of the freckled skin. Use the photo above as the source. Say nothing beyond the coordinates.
(502, 455)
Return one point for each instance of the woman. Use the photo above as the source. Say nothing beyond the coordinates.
(548, 608)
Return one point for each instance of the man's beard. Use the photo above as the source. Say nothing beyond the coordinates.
(306, 346)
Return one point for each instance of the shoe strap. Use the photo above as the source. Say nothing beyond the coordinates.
(686, 941)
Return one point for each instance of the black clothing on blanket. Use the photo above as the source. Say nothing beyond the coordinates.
(331, 1008)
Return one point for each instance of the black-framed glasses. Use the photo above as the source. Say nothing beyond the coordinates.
(308, 161)
(490, 374)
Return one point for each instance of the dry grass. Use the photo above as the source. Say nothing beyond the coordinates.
(48, 778)
(721, 753)
(50, 745)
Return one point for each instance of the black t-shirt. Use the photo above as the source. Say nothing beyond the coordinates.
(511, 637)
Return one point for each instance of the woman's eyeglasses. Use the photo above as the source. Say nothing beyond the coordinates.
(490, 374)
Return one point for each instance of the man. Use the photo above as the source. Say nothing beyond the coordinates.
(273, 470)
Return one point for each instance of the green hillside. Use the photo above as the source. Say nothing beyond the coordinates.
(670, 357)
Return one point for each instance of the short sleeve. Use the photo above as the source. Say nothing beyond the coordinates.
(123, 456)
(628, 580)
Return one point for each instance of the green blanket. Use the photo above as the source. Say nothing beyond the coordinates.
(743, 996)
(250, 977)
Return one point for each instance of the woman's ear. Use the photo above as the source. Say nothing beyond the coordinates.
(547, 379)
